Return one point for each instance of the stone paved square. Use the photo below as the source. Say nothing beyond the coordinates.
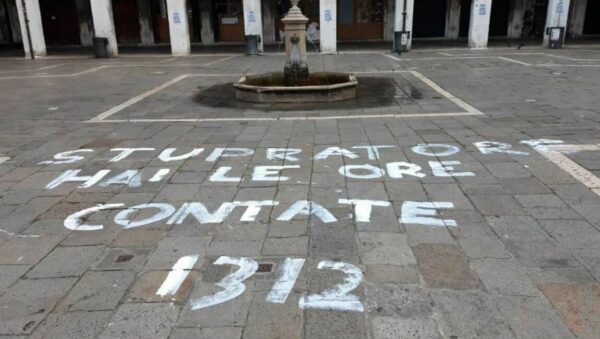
(457, 197)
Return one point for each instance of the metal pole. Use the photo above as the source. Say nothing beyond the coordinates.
(404, 17)
(27, 30)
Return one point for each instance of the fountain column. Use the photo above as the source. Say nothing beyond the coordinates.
(296, 67)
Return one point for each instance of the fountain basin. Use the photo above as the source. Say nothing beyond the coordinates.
(319, 87)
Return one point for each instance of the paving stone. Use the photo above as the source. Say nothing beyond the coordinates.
(507, 170)
(286, 246)
(10, 275)
(419, 234)
(448, 192)
(28, 302)
(478, 240)
(66, 262)
(125, 259)
(206, 333)
(393, 327)
(485, 189)
(578, 306)
(240, 232)
(532, 317)
(146, 286)
(141, 321)
(327, 324)
(97, 291)
(138, 238)
(90, 238)
(497, 205)
(233, 313)
(384, 249)
(406, 274)
(478, 317)
(503, 276)
(169, 250)
(527, 241)
(582, 200)
(27, 213)
(235, 248)
(27, 251)
(558, 275)
(269, 320)
(445, 266)
(398, 301)
(405, 191)
(546, 206)
(288, 229)
(73, 325)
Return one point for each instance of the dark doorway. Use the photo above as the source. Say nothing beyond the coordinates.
(126, 21)
(5, 29)
(465, 18)
(160, 22)
(540, 10)
(499, 18)
(592, 18)
(60, 22)
(429, 18)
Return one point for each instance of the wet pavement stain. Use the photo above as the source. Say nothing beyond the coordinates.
(371, 92)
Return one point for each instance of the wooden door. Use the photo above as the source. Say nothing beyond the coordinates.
(230, 20)
(126, 21)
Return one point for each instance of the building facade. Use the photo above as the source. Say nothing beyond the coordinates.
(181, 23)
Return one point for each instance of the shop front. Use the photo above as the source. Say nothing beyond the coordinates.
(360, 19)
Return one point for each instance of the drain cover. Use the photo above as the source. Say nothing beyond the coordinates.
(264, 268)
(124, 258)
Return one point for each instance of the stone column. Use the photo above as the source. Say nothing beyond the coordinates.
(390, 13)
(577, 18)
(179, 30)
(253, 20)
(558, 13)
(146, 25)
(452, 19)
(399, 20)
(328, 26)
(104, 24)
(86, 25)
(268, 14)
(33, 25)
(479, 27)
(207, 32)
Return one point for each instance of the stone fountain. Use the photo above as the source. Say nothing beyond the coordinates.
(296, 83)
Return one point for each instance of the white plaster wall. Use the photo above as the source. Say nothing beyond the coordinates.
(36, 30)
